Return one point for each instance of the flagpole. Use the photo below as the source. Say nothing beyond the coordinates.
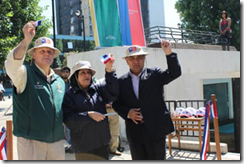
(9, 140)
(216, 129)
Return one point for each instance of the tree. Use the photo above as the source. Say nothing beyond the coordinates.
(13, 16)
(205, 15)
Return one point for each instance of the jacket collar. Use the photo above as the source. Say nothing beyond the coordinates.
(41, 75)
(131, 74)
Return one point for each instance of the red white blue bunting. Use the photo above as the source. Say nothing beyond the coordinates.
(210, 108)
(3, 144)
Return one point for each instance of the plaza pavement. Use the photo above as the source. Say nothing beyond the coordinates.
(176, 154)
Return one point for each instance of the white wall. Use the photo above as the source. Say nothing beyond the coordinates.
(196, 66)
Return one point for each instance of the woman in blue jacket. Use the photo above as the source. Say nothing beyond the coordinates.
(84, 109)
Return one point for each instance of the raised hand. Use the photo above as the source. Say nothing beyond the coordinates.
(166, 47)
(109, 65)
(29, 31)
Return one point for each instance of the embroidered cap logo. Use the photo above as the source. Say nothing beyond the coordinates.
(132, 49)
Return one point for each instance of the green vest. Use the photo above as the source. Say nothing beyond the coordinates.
(37, 111)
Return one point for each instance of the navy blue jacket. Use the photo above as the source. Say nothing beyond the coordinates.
(87, 134)
(156, 116)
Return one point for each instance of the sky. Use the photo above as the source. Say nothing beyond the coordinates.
(171, 20)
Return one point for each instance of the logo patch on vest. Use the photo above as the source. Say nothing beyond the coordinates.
(38, 86)
(59, 88)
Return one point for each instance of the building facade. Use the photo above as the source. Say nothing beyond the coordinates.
(69, 24)
(67, 21)
(156, 14)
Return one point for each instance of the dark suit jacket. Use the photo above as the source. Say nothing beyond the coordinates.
(153, 108)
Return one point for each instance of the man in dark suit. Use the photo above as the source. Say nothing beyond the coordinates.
(141, 103)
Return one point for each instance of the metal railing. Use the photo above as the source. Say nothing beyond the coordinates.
(183, 36)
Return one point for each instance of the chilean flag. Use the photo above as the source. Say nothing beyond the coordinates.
(105, 58)
(38, 23)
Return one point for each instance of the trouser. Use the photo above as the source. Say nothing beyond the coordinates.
(1, 96)
(225, 39)
(113, 121)
(36, 150)
(147, 148)
(67, 134)
(100, 153)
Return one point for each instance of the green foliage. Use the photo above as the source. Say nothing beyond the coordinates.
(5, 47)
(205, 15)
(13, 16)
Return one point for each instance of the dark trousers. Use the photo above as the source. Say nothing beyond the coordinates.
(147, 148)
(100, 153)
(225, 41)
(1, 96)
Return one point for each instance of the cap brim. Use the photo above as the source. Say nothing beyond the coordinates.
(93, 72)
(199, 115)
(184, 115)
(65, 67)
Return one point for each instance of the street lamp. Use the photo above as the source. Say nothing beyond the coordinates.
(78, 14)
(180, 27)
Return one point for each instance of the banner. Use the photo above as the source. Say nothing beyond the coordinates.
(131, 23)
(105, 22)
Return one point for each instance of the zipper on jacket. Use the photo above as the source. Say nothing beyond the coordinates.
(29, 126)
(90, 98)
(54, 109)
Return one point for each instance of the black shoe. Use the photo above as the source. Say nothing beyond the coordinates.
(68, 149)
(121, 149)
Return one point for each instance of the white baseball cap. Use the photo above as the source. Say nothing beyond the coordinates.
(179, 111)
(193, 110)
(188, 112)
(200, 112)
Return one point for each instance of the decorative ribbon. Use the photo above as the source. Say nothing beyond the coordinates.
(3, 144)
(210, 108)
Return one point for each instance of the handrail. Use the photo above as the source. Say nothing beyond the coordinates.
(184, 35)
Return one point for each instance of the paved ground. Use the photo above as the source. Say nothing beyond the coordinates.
(176, 154)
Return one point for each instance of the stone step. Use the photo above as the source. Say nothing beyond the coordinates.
(194, 145)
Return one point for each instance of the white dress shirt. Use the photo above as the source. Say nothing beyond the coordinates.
(135, 82)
